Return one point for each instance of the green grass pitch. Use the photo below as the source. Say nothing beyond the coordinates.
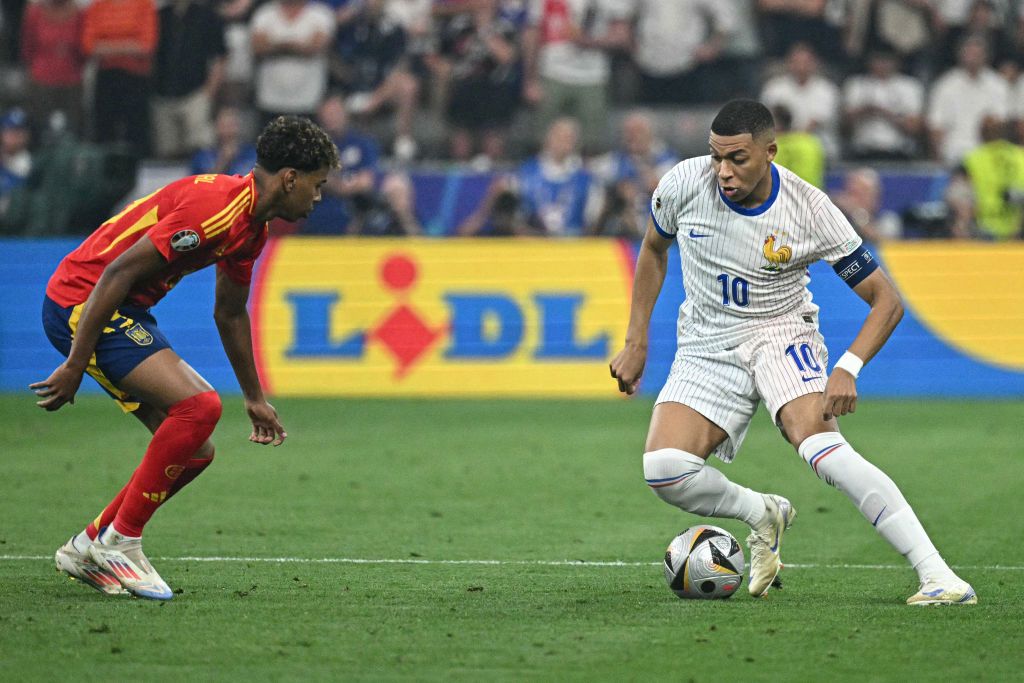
(438, 487)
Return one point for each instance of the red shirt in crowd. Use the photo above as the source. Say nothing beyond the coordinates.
(51, 43)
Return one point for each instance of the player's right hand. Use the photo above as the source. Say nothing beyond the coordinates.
(57, 389)
(628, 366)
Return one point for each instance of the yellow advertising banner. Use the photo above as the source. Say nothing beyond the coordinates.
(481, 317)
(969, 294)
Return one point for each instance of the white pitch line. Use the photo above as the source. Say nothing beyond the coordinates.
(521, 563)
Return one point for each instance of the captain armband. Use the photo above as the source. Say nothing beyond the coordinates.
(855, 267)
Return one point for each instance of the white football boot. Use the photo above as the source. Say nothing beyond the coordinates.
(80, 567)
(124, 559)
(765, 541)
(950, 591)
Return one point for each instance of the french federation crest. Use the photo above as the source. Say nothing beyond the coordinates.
(776, 256)
(185, 240)
(139, 334)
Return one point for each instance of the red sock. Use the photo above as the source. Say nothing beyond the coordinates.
(189, 423)
(108, 514)
(193, 468)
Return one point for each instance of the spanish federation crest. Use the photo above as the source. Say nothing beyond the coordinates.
(185, 240)
(139, 334)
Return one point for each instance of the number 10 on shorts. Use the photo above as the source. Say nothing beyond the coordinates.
(806, 354)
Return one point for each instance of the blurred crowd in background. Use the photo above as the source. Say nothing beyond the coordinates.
(574, 108)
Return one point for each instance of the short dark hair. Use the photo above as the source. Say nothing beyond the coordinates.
(743, 116)
(295, 142)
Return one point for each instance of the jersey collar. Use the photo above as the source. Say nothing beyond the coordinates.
(757, 210)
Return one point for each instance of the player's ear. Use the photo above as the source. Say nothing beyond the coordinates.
(289, 178)
(772, 150)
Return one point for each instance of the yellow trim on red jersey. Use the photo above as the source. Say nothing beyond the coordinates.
(128, 208)
(217, 219)
(147, 221)
(230, 220)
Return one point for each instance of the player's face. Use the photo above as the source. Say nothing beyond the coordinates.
(742, 165)
(303, 194)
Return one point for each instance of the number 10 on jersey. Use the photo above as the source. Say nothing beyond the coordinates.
(737, 287)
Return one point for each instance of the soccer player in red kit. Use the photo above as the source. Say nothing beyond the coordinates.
(96, 312)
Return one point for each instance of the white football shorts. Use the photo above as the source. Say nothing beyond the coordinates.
(779, 364)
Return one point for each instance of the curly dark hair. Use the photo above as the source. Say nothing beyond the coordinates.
(295, 142)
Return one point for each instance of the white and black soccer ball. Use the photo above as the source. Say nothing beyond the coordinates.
(704, 562)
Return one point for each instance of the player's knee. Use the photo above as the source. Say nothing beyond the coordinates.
(669, 472)
(203, 408)
(205, 451)
(817, 449)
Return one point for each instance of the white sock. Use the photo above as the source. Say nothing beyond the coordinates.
(681, 479)
(112, 536)
(81, 541)
(877, 498)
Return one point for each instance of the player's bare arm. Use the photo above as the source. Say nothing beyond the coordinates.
(235, 330)
(652, 261)
(879, 292)
(139, 262)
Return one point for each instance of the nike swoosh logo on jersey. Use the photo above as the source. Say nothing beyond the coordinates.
(808, 379)
(697, 234)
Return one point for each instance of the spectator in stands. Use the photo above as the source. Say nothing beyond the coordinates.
(799, 151)
(677, 45)
(359, 199)
(737, 73)
(232, 152)
(883, 111)
(912, 30)
(15, 158)
(371, 65)
(1011, 70)
(482, 53)
(812, 99)
(120, 36)
(188, 72)
(786, 23)
(984, 20)
(51, 51)
(290, 41)
(11, 15)
(860, 201)
(551, 194)
(961, 99)
(568, 67)
(416, 17)
(986, 194)
(628, 177)
(238, 60)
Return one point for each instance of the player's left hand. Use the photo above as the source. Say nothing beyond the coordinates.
(840, 394)
(266, 427)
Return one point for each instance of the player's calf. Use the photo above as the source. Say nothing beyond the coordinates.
(683, 479)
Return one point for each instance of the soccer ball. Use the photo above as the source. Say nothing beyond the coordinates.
(704, 562)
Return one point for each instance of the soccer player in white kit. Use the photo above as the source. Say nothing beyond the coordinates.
(747, 230)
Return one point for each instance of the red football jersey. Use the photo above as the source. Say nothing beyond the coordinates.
(193, 222)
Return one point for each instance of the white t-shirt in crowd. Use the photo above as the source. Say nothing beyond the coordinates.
(292, 83)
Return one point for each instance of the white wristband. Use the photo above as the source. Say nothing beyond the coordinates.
(851, 363)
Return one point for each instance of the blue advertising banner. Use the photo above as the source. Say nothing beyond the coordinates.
(962, 335)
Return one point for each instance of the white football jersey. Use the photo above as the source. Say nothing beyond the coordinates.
(744, 268)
